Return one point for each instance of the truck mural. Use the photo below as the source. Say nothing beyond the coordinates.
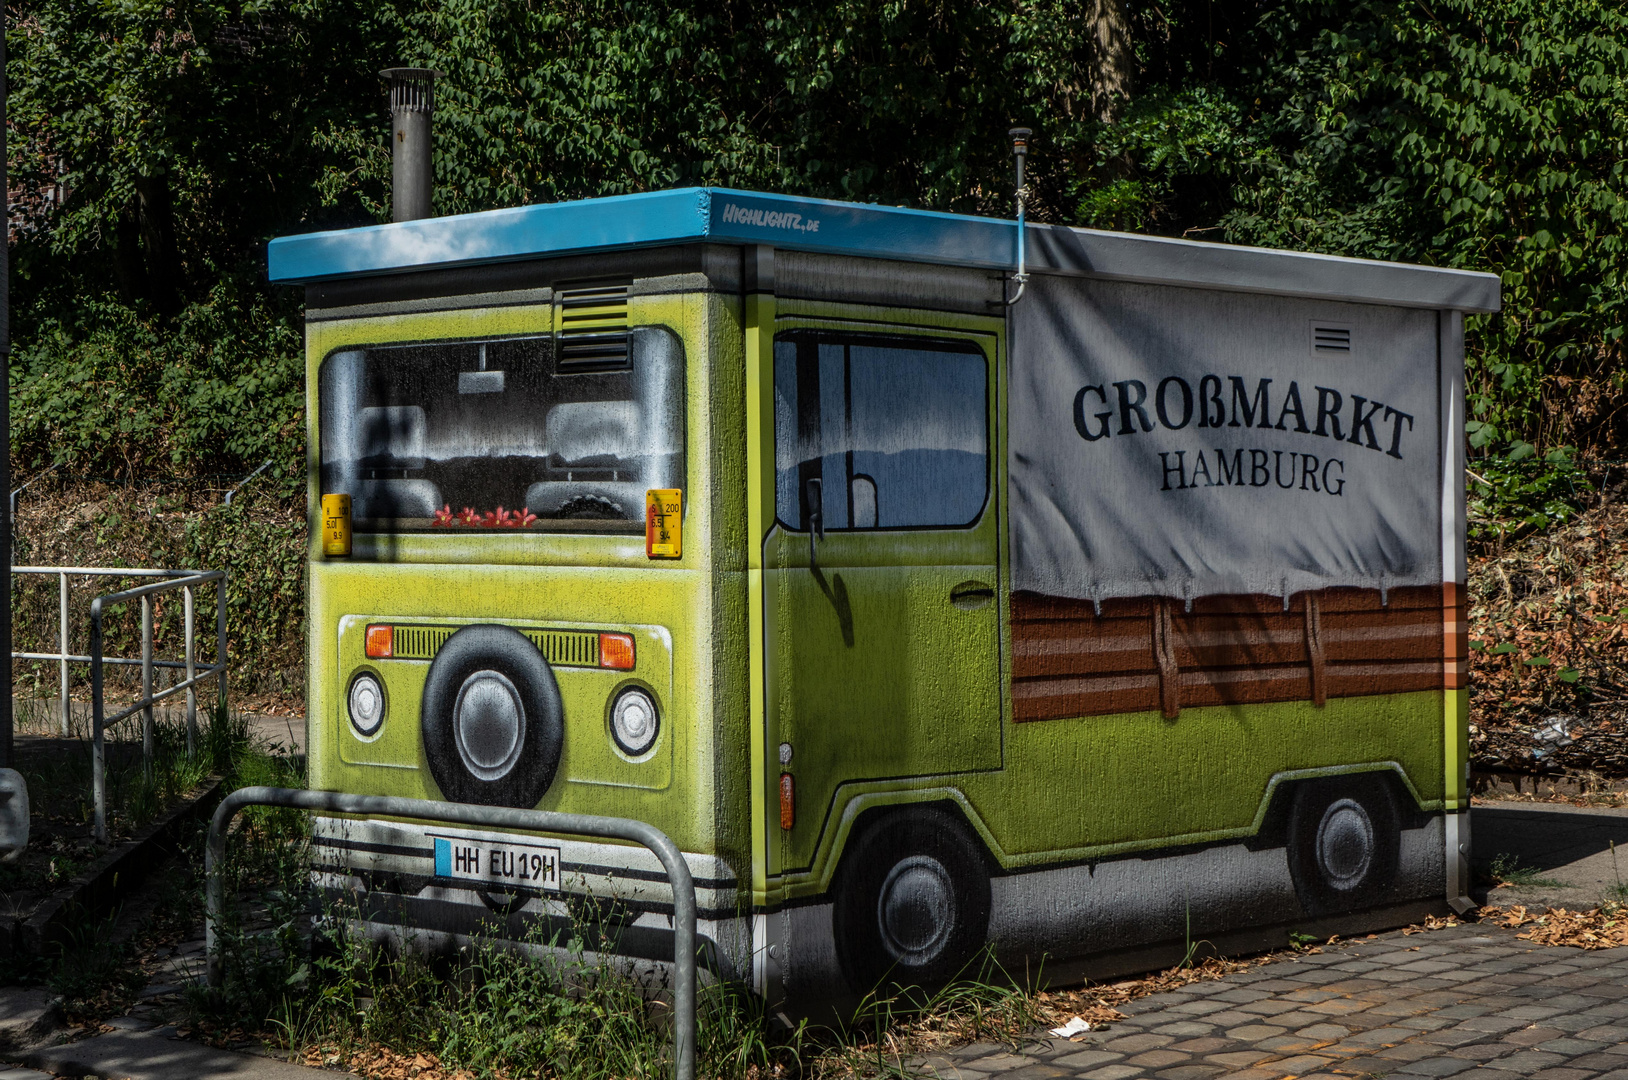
(930, 626)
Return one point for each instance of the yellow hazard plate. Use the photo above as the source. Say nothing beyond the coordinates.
(663, 523)
(336, 525)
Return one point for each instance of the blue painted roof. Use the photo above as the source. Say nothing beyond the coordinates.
(723, 215)
(678, 216)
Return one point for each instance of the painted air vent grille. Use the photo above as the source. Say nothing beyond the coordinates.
(590, 327)
(562, 648)
(1326, 338)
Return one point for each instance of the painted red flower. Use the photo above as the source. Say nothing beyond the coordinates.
(521, 518)
(495, 519)
(468, 516)
(444, 516)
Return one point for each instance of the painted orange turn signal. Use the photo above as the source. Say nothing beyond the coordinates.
(381, 642)
(788, 802)
(616, 651)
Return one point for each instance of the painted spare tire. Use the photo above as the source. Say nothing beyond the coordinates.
(491, 719)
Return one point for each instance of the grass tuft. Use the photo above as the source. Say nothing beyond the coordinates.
(1507, 871)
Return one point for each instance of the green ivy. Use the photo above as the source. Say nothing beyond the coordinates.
(1517, 491)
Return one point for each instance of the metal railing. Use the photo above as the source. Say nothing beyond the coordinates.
(187, 582)
(548, 821)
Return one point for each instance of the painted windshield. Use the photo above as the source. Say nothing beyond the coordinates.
(498, 434)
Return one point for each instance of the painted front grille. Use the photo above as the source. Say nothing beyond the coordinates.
(567, 648)
(562, 648)
(420, 642)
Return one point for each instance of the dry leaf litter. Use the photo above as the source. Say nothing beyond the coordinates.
(1548, 626)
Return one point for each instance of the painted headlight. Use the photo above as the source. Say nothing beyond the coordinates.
(634, 721)
(366, 705)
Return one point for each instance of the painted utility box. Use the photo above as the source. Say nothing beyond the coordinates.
(924, 622)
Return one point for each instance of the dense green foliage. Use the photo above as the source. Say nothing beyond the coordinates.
(1487, 134)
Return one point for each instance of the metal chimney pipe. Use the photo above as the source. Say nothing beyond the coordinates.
(412, 172)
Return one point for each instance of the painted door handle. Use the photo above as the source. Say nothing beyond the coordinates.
(816, 520)
(971, 595)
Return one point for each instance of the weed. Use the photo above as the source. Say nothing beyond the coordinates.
(541, 1006)
(92, 974)
(1300, 942)
(1616, 895)
(983, 1004)
(1506, 870)
(1192, 946)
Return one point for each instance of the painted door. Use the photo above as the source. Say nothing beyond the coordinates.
(881, 570)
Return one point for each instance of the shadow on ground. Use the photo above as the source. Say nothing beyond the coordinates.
(1572, 850)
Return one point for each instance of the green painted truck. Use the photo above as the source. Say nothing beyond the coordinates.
(1059, 631)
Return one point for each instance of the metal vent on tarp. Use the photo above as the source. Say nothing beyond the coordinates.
(1327, 338)
(590, 327)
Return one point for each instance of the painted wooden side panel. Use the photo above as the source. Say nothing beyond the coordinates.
(1070, 658)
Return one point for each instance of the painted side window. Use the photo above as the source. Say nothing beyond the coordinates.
(891, 432)
(413, 431)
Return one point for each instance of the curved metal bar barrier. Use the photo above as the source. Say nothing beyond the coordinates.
(678, 871)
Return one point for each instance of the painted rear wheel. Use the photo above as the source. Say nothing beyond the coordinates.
(912, 900)
(492, 720)
(1344, 843)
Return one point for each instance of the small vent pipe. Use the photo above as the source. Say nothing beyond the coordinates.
(412, 172)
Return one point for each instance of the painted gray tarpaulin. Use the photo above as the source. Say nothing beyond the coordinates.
(1183, 442)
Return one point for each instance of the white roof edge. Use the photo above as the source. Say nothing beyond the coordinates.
(1158, 260)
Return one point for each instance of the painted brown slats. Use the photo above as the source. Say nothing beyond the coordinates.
(1245, 686)
(1354, 680)
(1081, 655)
(1054, 699)
(1456, 643)
(1413, 597)
(1404, 643)
(1246, 605)
(1164, 653)
(1210, 642)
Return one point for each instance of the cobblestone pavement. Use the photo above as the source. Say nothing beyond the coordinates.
(1472, 1001)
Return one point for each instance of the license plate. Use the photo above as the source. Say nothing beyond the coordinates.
(491, 862)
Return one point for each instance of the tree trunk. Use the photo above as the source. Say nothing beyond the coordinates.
(1112, 59)
(127, 262)
(159, 244)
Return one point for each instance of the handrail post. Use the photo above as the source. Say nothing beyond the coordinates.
(62, 670)
(147, 686)
(98, 784)
(192, 673)
(220, 644)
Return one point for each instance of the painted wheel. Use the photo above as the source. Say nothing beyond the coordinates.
(1344, 842)
(492, 721)
(912, 900)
